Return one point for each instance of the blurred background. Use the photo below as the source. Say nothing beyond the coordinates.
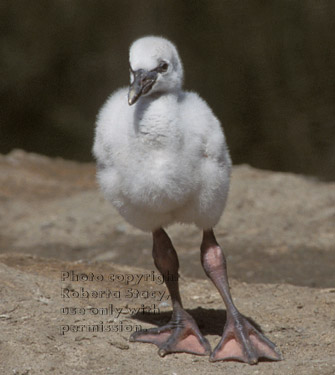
(267, 69)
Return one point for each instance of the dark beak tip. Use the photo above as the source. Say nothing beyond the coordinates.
(132, 100)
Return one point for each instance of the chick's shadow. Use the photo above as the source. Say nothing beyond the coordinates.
(210, 321)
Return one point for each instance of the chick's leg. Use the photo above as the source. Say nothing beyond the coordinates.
(240, 341)
(181, 334)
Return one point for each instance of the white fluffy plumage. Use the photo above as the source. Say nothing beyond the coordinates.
(163, 159)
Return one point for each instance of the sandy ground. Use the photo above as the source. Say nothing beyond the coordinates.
(277, 233)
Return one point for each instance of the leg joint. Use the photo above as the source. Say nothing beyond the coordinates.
(212, 259)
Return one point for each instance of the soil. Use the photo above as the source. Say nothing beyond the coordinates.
(277, 233)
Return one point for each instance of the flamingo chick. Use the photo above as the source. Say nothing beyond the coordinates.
(162, 158)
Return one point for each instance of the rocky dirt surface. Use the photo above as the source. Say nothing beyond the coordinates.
(277, 233)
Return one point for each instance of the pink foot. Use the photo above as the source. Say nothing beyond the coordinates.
(241, 341)
(181, 334)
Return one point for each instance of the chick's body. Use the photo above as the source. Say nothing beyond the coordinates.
(164, 160)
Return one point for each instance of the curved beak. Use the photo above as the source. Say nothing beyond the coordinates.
(142, 84)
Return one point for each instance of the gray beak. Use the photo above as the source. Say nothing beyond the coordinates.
(142, 84)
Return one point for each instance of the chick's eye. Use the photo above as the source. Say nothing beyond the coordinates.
(163, 66)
